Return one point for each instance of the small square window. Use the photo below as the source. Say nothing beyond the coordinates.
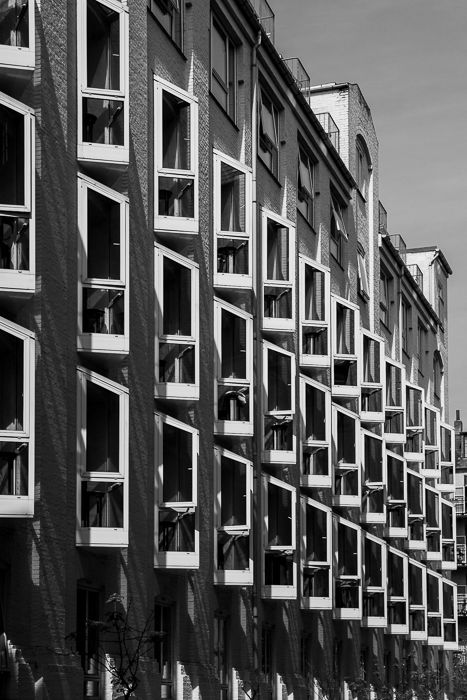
(223, 68)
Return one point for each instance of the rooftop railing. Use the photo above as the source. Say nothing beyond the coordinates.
(417, 274)
(299, 73)
(330, 127)
(266, 17)
(399, 244)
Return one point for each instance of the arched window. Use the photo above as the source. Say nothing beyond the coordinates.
(363, 166)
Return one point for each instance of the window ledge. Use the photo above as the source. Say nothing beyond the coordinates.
(174, 43)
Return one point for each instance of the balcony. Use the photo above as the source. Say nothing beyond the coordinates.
(417, 274)
(330, 127)
(266, 17)
(299, 73)
(399, 244)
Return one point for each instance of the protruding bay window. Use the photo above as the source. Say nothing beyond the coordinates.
(432, 467)
(417, 601)
(279, 576)
(448, 535)
(372, 385)
(103, 120)
(233, 392)
(450, 631)
(398, 592)
(278, 243)
(416, 510)
(433, 524)
(16, 421)
(347, 543)
(314, 314)
(345, 366)
(414, 422)
(177, 326)
(316, 555)
(434, 586)
(396, 495)
(102, 460)
(446, 484)
(374, 582)
(394, 424)
(374, 479)
(346, 458)
(233, 253)
(315, 409)
(17, 36)
(233, 554)
(278, 405)
(176, 516)
(176, 159)
(103, 299)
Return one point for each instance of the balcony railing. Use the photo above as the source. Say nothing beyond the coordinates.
(266, 17)
(330, 127)
(460, 505)
(383, 220)
(399, 244)
(417, 274)
(299, 73)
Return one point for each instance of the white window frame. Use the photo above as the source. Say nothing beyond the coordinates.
(362, 276)
(448, 564)
(88, 150)
(107, 343)
(315, 480)
(338, 357)
(373, 416)
(392, 531)
(274, 323)
(411, 517)
(449, 486)
(416, 635)
(428, 472)
(233, 427)
(315, 602)
(435, 641)
(16, 505)
(401, 629)
(101, 536)
(21, 59)
(168, 559)
(306, 359)
(175, 390)
(278, 592)
(162, 222)
(375, 620)
(414, 429)
(276, 456)
(451, 646)
(368, 486)
(435, 555)
(226, 279)
(342, 500)
(399, 437)
(347, 613)
(234, 577)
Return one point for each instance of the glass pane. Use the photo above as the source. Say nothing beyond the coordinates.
(103, 237)
(277, 302)
(316, 535)
(346, 439)
(11, 382)
(395, 575)
(177, 363)
(315, 341)
(13, 469)
(103, 121)
(176, 197)
(232, 256)
(314, 294)
(277, 251)
(176, 531)
(233, 344)
(14, 243)
(233, 492)
(279, 382)
(316, 461)
(395, 479)
(177, 465)
(373, 459)
(278, 433)
(316, 583)
(373, 564)
(233, 403)
(219, 53)
(102, 429)
(232, 199)
(14, 23)
(103, 311)
(345, 341)
(347, 555)
(11, 157)
(101, 504)
(177, 299)
(315, 413)
(176, 151)
(102, 47)
(232, 552)
(279, 516)
(278, 569)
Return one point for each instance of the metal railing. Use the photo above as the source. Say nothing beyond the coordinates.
(399, 244)
(330, 127)
(266, 16)
(417, 274)
(460, 505)
(299, 73)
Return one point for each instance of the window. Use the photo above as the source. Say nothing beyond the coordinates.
(441, 307)
(450, 632)
(363, 167)
(362, 275)
(221, 660)
(176, 159)
(233, 223)
(396, 495)
(233, 397)
(417, 601)
(169, 13)
(372, 377)
(306, 185)
(416, 510)
(347, 604)
(17, 34)
(223, 68)
(177, 326)
(398, 592)
(268, 149)
(176, 519)
(448, 532)
(164, 625)
(421, 348)
(278, 527)
(338, 229)
(103, 130)
(406, 311)
(447, 459)
(102, 461)
(315, 407)
(385, 292)
(103, 304)
(438, 371)
(347, 477)
(88, 609)
(316, 556)
(433, 524)
(345, 379)
(314, 313)
(17, 364)
(374, 582)
(394, 424)
(233, 557)
(374, 479)
(278, 241)
(278, 405)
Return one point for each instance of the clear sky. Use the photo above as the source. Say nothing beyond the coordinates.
(410, 59)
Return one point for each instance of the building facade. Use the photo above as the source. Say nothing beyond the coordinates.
(226, 382)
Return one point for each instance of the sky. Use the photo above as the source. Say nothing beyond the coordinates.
(409, 58)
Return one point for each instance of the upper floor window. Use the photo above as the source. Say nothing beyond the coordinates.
(278, 404)
(305, 185)
(103, 81)
(421, 347)
(223, 68)
(385, 284)
(316, 554)
(338, 229)
(176, 159)
(406, 312)
(363, 167)
(17, 33)
(314, 301)
(279, 538)
(437, 374)
(170, 15)
(268, 149)
(348, 570)
(164, 623)
(362, 275)
(278, 236)
(88, 639)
